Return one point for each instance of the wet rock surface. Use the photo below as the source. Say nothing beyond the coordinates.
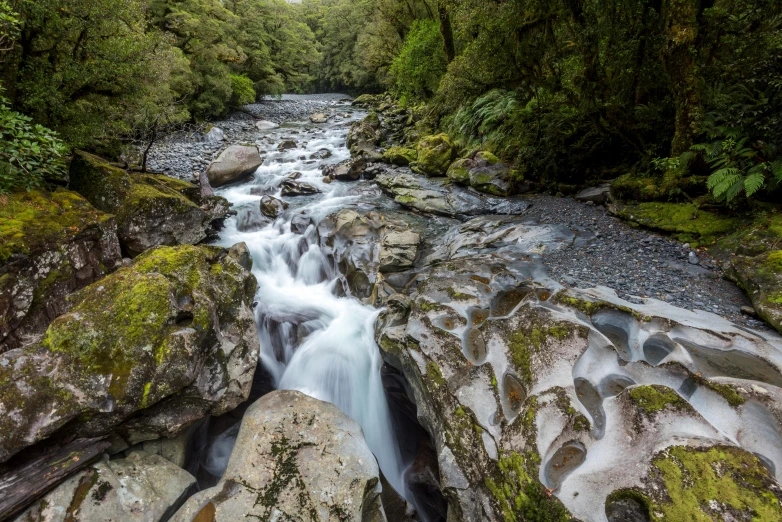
(141, 487)
(169, 339)
(295, 457)
(53, 244)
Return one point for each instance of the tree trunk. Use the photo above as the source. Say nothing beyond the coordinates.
(679, 57)
(446, 31)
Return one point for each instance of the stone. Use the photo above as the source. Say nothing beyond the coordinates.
(265, 125)
(291, 188)
(434, 155)
(321, 154)
(750, 311)
(287, 145)
(402, 156)
(151, 210)
(319, 118)
(173, 450)
(51, 245)
(300, 223)
(761, 277)
(215, 136)
(692, 258)
(141, 354)
(459, 171)
(272, 207)
(140, 488)
(492, 179)
(364, 137)
(295, 457)
(233, 164)
(598, 195)
(348, 170)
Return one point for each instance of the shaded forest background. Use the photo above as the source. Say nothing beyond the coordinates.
(680, 99)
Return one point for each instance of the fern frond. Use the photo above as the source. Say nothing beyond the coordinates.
(753, 183)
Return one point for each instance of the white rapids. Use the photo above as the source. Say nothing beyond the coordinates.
(311, 340)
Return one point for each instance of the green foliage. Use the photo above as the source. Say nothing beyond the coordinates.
(417, 70)
(29, 154)
(9, 27)
(243, 91)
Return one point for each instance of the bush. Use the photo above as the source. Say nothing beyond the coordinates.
(29, 154)
(416, 72)
(243, 90)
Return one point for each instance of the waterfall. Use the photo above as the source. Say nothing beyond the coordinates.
(311, 339)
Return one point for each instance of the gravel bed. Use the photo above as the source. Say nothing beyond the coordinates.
(637, 263)
(186, 158)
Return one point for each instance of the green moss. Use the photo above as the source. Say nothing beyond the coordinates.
(654, 398)
(459, 171)
(435, 154)
(732, 477)
(434, 374)
(34, 221)
(727, 392)
(460, 412)
(520, 349)
(459, 296)
(684, 220)
(400, 155)
(633, 188)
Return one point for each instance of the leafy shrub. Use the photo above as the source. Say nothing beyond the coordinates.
(243, 90)
(417, 70)
(29, 154)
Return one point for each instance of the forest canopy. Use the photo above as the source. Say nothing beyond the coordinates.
(678, 95)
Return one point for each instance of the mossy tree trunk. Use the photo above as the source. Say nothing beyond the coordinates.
(446, 31)
(680, 18)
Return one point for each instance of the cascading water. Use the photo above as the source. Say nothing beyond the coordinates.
(311, 339)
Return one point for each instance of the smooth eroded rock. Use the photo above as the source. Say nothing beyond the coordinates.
(234, 163)
(295, 458)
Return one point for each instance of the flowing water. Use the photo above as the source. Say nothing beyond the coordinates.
(311, 339)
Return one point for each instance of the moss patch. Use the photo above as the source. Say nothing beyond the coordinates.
(655, 398)
(683, 220)
(34, 221)
(435, 154)
(400, 155)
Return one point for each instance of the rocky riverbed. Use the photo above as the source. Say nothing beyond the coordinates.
(443, 346)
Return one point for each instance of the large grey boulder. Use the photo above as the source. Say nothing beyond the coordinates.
(365, 136)
(295, 458)
(142, 354)
(234, 163)
(139, 488)
(598, 195)
(348, 170)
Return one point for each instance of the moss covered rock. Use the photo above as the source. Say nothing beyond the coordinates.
(711, 483)
(761, 278)
(400, 156)
(459, 171)
(683, 220)
(364, 136)
(636, 188)
(51, 244)
(176, 324)
(435, 155)
(151, 210)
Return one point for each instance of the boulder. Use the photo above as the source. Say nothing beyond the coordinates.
(348, 170)
(272, 207)
(364, 136)
(139, 488)
(233, 164)
(319, 118)
(295, 458)
(265, 125)
(441, 197)
(435, 155)
(321, 154)
(287, 145)
(459, 171)
(761, 277)
(291, 188)
(215, 136)
(365, 246)
(300, 223)
(150, 210)
(492, 179)
(400, 156)
(51, 244)
(598, 195)
(142, 353)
